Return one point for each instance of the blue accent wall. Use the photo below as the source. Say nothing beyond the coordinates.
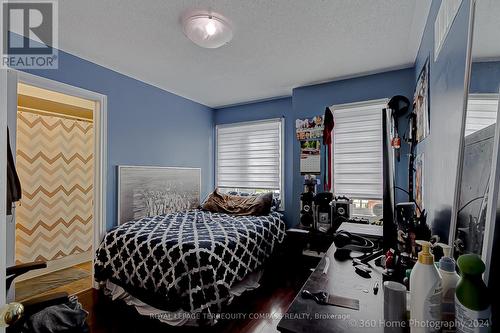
(146, 125)
(311, 101)
(447, 90)
(485, 77)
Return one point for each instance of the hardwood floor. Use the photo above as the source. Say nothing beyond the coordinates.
(280, 284)
(71, 280)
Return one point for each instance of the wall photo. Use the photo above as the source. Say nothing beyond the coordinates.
(145, 191)
(306, 129)
(421, 103)
(419, 182)
(310, 157)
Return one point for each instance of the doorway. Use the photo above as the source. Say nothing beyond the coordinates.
(59, 148)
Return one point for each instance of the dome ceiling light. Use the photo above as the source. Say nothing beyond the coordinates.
(207, 30)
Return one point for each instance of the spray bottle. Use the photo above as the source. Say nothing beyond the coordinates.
(472, 301)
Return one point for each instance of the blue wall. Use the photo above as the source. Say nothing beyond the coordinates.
(146, 125)
(447, 90)
(311, 101)
(485, 77)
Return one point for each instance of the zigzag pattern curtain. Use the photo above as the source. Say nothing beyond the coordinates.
(55, 165)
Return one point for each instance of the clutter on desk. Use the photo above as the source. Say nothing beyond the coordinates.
(447, 269)
(394, 302)
(324, 298)
(472, 302)
(425, 288)
(436, 292)
(323, 211)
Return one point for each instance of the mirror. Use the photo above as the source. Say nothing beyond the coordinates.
(475, 209)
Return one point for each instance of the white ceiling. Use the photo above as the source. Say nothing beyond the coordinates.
(277, 45)
(486, 43)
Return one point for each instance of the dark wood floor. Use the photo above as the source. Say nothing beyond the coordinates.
(71, 280)
(279, 285)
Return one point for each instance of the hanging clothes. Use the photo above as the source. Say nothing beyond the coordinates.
(328, 123)
(14, 191)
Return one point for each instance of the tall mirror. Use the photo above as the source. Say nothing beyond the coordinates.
(476, 208)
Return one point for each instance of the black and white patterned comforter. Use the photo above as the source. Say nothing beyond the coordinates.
(188, 260)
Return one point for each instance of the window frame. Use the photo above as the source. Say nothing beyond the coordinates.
(281, 120)
(380, 101)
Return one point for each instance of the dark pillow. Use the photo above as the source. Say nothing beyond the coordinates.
(239, 205)
(275, 206)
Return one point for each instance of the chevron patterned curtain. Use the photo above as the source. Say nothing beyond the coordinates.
(55, 165)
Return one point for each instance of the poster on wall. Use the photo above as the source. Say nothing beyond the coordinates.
(310, 157)
(421, 103)
(146, 191)
(419, 182)
(307, 129)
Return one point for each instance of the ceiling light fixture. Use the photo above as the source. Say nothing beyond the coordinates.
(207, 30)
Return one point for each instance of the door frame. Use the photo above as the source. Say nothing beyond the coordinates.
(100, 143)
(3, 184)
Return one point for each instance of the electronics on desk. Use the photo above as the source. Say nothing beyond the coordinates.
(405, 211)
(322, 211)
(306, 209)
(311, 183)
(341, 207)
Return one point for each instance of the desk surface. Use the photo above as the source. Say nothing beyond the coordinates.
(304, 315)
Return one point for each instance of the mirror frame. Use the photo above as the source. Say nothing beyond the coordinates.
(458, 177)
(493, 208)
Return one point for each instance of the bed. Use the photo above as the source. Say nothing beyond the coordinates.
(186, 265)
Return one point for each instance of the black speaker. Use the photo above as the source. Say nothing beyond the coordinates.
(306, 209)
(323, 220)
(341, 207)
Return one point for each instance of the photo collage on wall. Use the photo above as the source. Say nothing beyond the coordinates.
(421, 107)
(421, 103)
(308, 131)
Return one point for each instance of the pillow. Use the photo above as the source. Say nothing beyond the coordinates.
(239, 205)
(275, 206)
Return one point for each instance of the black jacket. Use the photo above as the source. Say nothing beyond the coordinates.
(13, 184)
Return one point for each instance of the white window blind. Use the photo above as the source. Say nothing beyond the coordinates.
(357, 149)
(249, 155)
(447, 12)
(482, 112)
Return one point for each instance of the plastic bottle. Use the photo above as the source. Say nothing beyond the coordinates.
(425, 293)
(449, 283)
(472, 304)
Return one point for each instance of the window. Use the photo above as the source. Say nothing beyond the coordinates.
(482, 112)
(250, 157)
(357, 156)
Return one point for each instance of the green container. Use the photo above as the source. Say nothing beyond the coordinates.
(472, 302)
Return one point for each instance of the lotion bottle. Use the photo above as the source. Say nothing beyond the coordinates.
(425, 293)
(449, 282)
